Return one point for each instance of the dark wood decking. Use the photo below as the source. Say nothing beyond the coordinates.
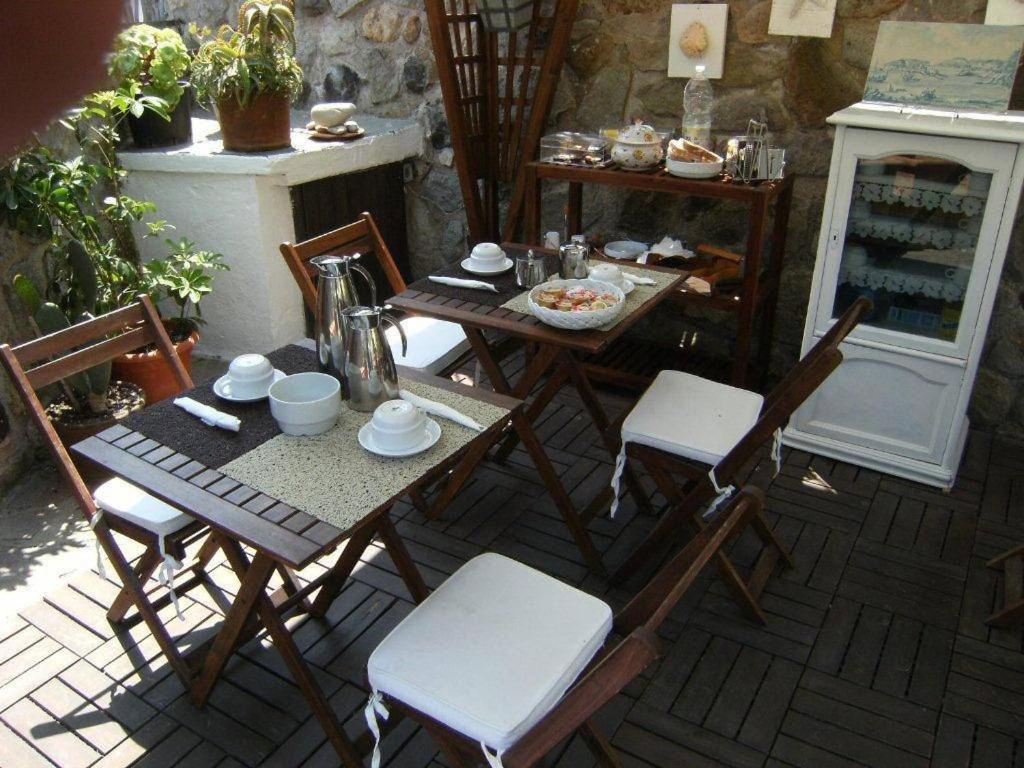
(875, 653)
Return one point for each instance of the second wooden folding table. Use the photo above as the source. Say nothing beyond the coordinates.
(555, 353)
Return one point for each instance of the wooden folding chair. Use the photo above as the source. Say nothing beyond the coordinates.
(435, 346)
(116, 505)
(706, 433)
(502, 658)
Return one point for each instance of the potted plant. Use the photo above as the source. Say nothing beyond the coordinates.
(183, 279)
(90, 401)
(250, 76)
(155, 60)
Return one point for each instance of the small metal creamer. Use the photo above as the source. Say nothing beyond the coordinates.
(530, 270)
(369, 365)
(573, 258)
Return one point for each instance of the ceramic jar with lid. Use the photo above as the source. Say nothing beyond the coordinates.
(637, 148)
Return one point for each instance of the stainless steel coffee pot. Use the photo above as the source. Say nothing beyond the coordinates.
(335, 292)
(369, 365)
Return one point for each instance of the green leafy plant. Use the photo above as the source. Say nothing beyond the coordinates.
(154, 59)
(183, 278)
(257, 57)
(75, 303)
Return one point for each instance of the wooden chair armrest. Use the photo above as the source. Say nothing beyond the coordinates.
(719, 253)
(602, 683)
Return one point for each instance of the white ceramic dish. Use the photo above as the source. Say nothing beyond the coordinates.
(223, 389)
(686, 170)
(474, 268)
(367, 439)
(624, 250)
(577, 321)
(305, 403)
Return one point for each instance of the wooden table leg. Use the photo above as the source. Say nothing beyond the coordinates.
(748, 304)
(255, 581)
(554, 485)
(482, 350)
(574, 209)
(461, 473)
(593, 406)
(347, 561)
(303, 676)
(403, 561)
(533, 411)
(533, 205)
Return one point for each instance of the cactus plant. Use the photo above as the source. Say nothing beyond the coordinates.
(92, 385)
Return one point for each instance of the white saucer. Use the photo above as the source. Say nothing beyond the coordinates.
(505, 267)
(222, 389)
(366, 439)
(627, 286)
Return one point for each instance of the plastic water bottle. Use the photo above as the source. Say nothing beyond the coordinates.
(698, 102)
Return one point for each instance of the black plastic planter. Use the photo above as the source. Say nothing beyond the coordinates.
(151, 130)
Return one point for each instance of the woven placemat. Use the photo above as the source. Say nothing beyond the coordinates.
(333, 478)
(641, 295)
(168, 424)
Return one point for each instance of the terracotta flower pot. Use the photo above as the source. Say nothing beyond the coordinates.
(151, 372)
(264, 123)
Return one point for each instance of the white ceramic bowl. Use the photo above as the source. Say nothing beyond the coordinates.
(687, 170)
(250, 376)
(398, 425)
(577, 321)
(624, 249)
(486, 256)
(305, 403)
(606, 273)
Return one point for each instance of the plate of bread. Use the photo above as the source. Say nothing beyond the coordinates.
(576, 304)
(692, 161)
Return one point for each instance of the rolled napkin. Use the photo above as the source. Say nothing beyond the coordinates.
(458, 282)
(638, 279)
(440, 410)
(208, 415)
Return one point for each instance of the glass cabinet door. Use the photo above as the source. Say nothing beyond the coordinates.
(913, 235)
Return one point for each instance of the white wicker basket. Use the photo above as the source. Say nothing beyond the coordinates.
(578, 321)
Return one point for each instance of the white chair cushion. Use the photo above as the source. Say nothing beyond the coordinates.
(492, 650)
(692, 417)
(433, 344)
(122, 499)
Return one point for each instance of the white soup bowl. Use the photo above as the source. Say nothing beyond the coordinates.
(305, 403)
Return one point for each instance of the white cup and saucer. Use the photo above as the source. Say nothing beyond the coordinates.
(398, 429)
(248, 379)
(487, 259)
(610, 273)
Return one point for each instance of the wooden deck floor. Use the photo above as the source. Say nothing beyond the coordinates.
(875, 653)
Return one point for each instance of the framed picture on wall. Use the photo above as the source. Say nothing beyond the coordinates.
(959, 66)
(802, 18)
(697, 36)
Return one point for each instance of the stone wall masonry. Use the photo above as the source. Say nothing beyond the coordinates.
(377, 53)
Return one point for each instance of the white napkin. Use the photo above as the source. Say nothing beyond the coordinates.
(698, 284)
(439, 409)
(458, 282)
(208, 415)
(638, 279)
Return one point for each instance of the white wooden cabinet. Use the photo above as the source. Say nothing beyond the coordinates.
(918, 215)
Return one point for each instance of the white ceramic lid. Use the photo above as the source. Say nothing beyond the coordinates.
(639, 133)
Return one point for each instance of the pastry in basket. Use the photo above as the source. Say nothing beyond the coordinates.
(686, 151)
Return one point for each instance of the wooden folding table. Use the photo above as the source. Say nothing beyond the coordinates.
(283, 540)
(556, 353)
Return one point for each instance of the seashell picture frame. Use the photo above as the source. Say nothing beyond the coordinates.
(697, 36)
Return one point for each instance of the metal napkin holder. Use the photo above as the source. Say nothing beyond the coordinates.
(751, 158)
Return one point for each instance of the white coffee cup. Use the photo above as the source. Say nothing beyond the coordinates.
(250, 376)
(607, 273)
(487, 256)
(398, 425)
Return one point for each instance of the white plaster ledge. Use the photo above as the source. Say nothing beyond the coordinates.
(387, 140)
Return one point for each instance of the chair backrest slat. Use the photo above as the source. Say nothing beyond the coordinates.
(85, 358)
(361, 237)
(138, 325)
(52, 344)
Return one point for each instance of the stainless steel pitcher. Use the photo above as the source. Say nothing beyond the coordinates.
(336, 292)
(369, 365)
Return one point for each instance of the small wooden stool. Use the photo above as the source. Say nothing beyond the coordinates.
(1012, 564)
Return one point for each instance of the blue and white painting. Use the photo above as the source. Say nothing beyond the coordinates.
(964, 66)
